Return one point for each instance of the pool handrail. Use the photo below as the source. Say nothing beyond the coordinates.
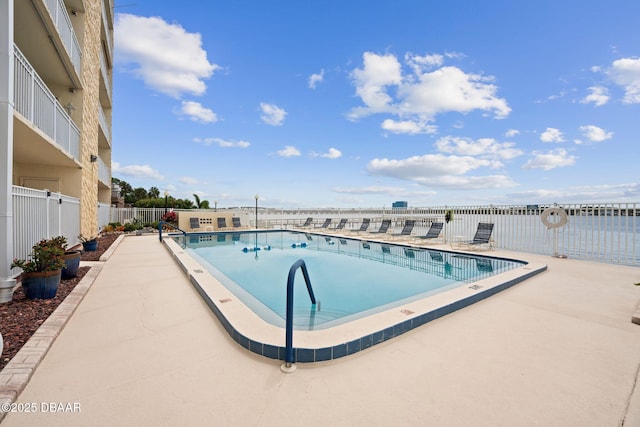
(161, 223)
(288, 353)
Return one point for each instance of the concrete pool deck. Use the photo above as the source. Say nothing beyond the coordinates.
(142, 348)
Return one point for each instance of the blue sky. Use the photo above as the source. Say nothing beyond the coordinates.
(360, 104)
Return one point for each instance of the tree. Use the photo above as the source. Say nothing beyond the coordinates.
(201, 204)
(154, 193)
(140, 193)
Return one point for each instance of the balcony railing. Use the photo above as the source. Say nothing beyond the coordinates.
(103, 124)
(36, 103)
(62, 22)
(104, 173)
(105, 74)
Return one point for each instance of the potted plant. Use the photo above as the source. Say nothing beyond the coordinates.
(89, 244)
(41, 273)
(71, 258)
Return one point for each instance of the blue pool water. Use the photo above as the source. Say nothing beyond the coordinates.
(350, 278)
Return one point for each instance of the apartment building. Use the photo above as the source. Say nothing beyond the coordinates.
(56, 61)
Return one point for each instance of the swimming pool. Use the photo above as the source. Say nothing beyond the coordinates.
(368, 291)
(350, 278)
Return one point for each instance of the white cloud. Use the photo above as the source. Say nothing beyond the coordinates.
(550, 160)
(551, 135)
(482, 147)
(511, 133)
(438, 170)
(420, 95)
(420, 64)
(289, 151)
(333, 153)
(595, 134)
(625, 72)
(580, 194)
(272, 114)
(408, 127)
(138, 171)
(314, 79)
(165, 56)
(196, 112)
(372, 189)
(222, 142)
(188, 180)
(598, 95)
(371, 81)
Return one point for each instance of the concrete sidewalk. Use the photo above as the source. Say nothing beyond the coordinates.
(142, 349)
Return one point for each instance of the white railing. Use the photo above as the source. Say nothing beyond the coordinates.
(102, 119)
(144, 215)
(35, 102)
(104, 211)
(601, 232)
(62, 22)
(39, 214)
(105, 74)
(104, 173)
(107, 23)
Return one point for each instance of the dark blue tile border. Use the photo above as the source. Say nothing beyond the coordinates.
(306, 355)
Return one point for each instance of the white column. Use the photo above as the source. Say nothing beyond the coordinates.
(6, 140)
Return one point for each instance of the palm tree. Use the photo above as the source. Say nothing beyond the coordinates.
(198, 202)
(154, 193)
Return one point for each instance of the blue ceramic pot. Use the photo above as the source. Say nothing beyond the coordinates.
(41, 285)
(90, 246)
(71, 264)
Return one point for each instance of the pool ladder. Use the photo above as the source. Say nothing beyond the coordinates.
(184, 233)
(288, 365)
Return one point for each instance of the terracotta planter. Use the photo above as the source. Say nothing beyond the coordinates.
(72, 264)
(90, 246)
(41, 284)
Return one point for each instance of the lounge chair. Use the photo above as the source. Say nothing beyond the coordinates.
(222, 223)
(482, 236)
(363, 227)
(433, 233)
(326, 223)
(384, 227)
(406, 230)
(341, 224)
(307, 223)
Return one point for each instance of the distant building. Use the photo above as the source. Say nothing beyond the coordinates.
(399, 205)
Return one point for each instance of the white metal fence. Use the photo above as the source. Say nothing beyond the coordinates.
(602, 232)
(39, 214)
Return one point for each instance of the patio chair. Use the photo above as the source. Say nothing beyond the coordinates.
(363, 227)
(482, 236)
(384, 227)
(236, 223)
(326, 223)
(406, 230)
(222, 222)
(433, 233)
(307, 223)
(341, 224)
